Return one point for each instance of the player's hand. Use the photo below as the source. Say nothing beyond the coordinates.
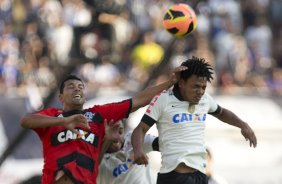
(140, 157)
(71, 122)
(249, 135)
(113, 131)
(175, 74)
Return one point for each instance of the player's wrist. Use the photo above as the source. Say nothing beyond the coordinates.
(138, 150)
(62, 121)
(244, 125)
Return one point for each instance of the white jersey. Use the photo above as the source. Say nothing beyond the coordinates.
(181, 133)
(120, 168)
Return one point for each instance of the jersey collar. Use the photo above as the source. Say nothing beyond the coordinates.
(177, 94)
(72, 112)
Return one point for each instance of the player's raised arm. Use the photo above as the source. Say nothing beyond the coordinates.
(230, 118)
(144, 97)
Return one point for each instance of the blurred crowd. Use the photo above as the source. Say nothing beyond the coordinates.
(115, 45)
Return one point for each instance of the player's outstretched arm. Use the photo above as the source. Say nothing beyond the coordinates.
(144, 97)
(137, 140)
(42, 121)
(230, 118)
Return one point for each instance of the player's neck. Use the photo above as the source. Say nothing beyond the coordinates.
(73, 108)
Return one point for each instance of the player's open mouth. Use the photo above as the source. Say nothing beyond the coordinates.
(116, 145)
(77, 97)
(198, 98)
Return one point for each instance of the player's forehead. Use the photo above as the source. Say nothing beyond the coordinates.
(73, 82)
(197, 79)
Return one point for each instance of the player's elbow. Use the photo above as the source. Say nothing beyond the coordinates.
(141, 128)
(24, 122)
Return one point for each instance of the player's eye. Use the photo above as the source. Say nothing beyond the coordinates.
(81, 86)
(71, 86)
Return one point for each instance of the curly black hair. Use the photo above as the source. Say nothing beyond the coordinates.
(197, 66)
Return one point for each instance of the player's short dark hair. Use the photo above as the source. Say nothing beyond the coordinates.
(69, 77)
(197, 66)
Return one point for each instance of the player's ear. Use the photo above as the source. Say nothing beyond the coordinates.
(181, 83)
(61, 98)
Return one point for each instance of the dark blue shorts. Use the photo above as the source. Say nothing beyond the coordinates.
(174, 177)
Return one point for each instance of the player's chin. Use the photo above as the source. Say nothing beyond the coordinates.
(197, 99)
(194, 101)
(78, 101)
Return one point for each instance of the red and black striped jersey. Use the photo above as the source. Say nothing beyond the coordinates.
(77, 155)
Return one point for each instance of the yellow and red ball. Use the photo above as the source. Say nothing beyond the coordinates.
(180, 20)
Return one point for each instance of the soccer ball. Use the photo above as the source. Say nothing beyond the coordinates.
(180, 20)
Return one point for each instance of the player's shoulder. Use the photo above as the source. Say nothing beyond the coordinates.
(50, 111)
(124, 101)
(162, 99)
(101, 107)
(207, 96)
(168, 96)
(165, 94)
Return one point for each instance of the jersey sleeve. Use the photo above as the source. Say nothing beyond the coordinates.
(214, 107)
(148, 142)
(147, 145)
(154, 109)
(115, 111)
(47, 112)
